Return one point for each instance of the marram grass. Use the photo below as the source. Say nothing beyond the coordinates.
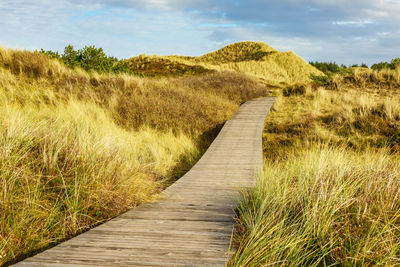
(324, 206)
(68, 167)
(79, 148)
(330, 191)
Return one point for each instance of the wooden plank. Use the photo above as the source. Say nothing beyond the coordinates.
(191, 223)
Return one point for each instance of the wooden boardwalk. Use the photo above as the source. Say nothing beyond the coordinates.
(192, 223)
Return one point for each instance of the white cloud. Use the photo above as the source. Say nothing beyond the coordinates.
(315, 29)
(355, 23)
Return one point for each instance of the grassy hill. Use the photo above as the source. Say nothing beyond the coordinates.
(237, 52)
(78, 148)
(164, 66)
(255, 59)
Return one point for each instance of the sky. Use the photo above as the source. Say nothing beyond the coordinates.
(344, 31)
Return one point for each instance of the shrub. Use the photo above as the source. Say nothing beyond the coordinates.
(296, 89)
(331, 68)
(386, 65)
(90, 58)
(363, 65)
(381, 65)
(319, 79)
(326, 67)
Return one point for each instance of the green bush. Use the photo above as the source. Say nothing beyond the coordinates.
(330, 68)
(90, 58)
(320, 79)
(326, 67)
(386, 65)
(363, 65)
(381, 65)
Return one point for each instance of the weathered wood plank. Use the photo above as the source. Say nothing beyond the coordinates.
(192, 222)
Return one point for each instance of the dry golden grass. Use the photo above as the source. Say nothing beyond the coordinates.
(329, 194)
(323, 206)
(368, 79)
(68, 167)
(256, 59)
(237, 52)
(356, 117)
(164, 66)
(78, 148)
(277, 69)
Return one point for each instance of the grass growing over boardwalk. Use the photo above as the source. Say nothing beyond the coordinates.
(330, 190)
(79, 148)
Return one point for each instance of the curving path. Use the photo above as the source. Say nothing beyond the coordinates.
(191, 225)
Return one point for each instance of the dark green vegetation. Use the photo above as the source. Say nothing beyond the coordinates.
(386, 65)
(329, 68)
(90, 58)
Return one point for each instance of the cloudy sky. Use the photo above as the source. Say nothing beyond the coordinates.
(345, 31)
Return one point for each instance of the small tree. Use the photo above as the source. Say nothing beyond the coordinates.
(90, 58)
(381, 65)
(71, 57)
(93, 58)
(50, 53)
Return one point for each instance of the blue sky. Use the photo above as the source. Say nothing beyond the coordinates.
(345, 31)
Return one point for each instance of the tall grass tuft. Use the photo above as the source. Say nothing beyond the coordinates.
(68, 167)
(322, 206)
